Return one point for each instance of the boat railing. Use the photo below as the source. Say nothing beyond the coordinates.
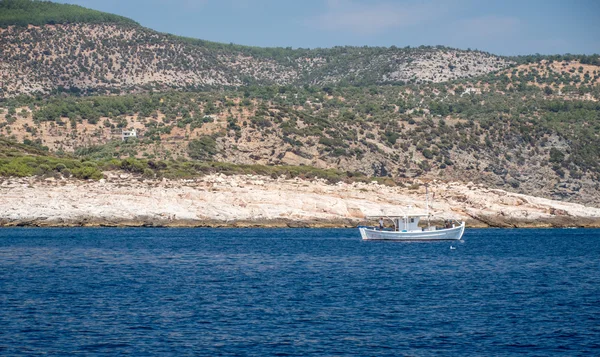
(451, 223)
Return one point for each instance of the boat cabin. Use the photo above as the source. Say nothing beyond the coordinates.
(407, 223)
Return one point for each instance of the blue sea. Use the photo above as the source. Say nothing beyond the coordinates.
(297, 292)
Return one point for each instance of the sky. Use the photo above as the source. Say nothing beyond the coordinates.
(509, 27)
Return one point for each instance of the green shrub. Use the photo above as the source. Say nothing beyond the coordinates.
(556, 156)
(148, 173)
(16, 167)
(133, 165)
(203, 148)
(87, 173)
(427, 153)
(42, 169)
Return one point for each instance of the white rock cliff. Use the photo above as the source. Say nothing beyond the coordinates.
(218, 200)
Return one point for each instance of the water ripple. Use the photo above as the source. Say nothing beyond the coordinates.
(257, 292)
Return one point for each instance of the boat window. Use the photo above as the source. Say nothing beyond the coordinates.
(412, 220)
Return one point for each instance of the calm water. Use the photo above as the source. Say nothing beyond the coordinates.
(255, 292)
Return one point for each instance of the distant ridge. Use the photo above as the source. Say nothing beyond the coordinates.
(38, 13)
(89, 51)
(117, 58)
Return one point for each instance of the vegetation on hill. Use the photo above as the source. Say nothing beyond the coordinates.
(24, 160)
(83, 58)
(531, 128)
(593, 59)
(92, 52)
(33, 12)
(529, 123)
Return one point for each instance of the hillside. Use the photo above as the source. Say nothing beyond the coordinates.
(46, 47)
(508, 133)
(526, 124)
(109, 58)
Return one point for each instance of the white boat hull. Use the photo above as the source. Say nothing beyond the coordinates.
(455, 233)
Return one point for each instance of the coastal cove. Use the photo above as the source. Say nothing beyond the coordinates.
(122, 200)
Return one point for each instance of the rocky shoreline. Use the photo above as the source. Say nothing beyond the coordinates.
(246, 201)
(98, 223)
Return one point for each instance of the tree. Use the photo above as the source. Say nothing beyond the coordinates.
(556, 155)
(203, 148)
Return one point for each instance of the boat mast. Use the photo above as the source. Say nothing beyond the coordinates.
(427, 203)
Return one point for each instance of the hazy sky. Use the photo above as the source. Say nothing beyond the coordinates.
(506, 27)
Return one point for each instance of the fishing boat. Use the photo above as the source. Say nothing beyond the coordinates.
(406, 227)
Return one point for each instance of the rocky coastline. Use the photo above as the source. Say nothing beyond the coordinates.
(122, 200)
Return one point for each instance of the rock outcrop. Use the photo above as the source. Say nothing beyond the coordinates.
(255, 201)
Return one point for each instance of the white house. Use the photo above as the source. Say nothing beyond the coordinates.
(471, 90)
(126, 134)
